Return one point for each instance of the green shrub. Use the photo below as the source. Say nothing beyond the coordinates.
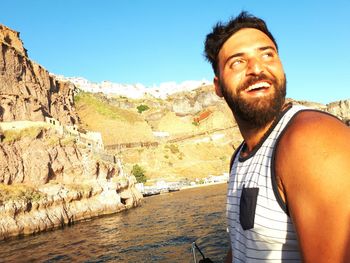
(139, 173)
(195, 123)
(142, 108)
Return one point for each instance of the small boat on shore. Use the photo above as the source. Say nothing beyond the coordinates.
(173, 189)
(150, 193)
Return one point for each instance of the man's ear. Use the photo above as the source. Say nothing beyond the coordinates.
(218, 90)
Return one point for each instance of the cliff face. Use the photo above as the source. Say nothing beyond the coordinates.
(44, 156)
(11, 38)
(340, 109)
(48, 178)
(27, 91)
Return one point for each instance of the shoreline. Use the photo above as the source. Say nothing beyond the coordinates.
(184, 188)
(201, 185)
(66, 207)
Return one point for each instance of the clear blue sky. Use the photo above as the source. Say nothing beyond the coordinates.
(154, 41)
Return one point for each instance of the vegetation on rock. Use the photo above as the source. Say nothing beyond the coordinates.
(142, 108)
(139, 173)
(19, 192)
(173, 148)
(116, 124)
(17, 134)
(98, 105)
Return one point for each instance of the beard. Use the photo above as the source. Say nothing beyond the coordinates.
(257, 112)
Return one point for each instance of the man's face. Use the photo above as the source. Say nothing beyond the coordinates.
(251, 77)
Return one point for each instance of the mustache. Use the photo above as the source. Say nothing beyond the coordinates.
(251, 80)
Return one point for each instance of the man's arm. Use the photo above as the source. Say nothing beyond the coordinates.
(313, 164)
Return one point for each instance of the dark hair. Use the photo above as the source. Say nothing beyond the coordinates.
(221, 32)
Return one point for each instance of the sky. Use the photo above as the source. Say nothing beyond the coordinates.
(156, 41)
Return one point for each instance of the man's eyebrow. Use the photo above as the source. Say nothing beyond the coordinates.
(267, 47)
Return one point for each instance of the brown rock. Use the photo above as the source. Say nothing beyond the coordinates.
(11, 38)
(27, 90)
(340, 108)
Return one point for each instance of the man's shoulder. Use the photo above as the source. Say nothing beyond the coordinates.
(309, 137)
(310, 125)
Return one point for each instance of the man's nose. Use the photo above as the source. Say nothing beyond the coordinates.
(254, 67)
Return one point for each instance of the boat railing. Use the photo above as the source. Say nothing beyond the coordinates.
(194, 254)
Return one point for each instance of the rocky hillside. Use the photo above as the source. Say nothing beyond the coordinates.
(27, 90)
(49, 176)
(187, 135)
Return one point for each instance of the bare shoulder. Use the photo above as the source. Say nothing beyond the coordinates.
(312, 163)
(313, 133)
(313, 125)
(311, 139)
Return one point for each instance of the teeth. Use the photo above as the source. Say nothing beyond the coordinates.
(258, 85)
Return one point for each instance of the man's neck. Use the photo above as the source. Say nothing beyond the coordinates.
(252, 135)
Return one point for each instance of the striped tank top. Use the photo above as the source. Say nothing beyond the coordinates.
(272, 237)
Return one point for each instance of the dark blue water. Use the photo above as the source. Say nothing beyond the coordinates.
(161, 230)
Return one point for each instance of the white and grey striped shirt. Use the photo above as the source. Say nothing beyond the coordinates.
(273, 238)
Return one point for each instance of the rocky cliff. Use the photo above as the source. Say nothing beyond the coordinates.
(27, 90)
(48, 178)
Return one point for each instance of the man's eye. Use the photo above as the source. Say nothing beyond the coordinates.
(268, 55)
(236, 62)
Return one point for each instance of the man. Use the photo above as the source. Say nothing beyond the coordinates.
(289, 189)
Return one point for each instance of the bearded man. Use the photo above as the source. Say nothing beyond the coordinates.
(289, 190)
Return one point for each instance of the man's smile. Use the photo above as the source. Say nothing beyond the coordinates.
(258, 89)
